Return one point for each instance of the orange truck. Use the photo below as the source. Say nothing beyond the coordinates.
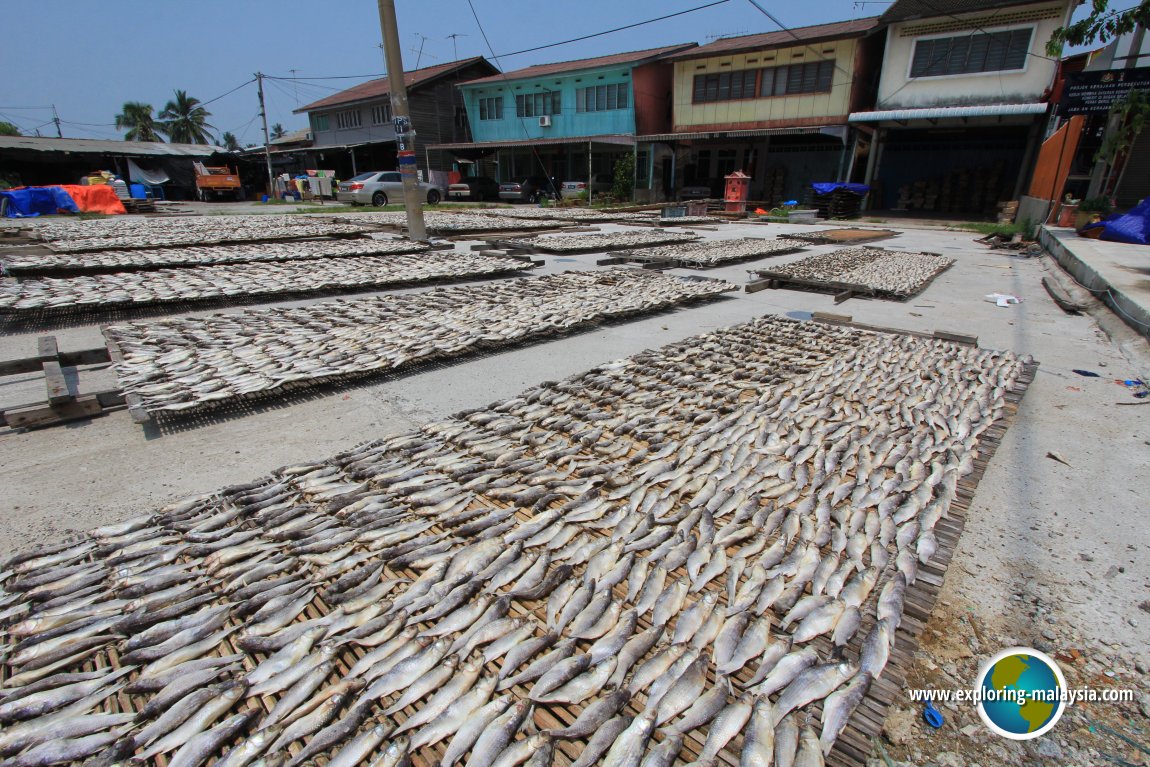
(215, 182)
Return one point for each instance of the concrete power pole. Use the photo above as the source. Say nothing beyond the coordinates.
(267, 137)
(404, 133)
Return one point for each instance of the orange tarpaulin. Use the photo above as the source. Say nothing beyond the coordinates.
(94, 199)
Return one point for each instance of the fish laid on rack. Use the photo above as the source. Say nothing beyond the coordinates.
(714, 252)
(155, 258)
(189, 364)
(134, 232)
(895, 273)
(103, 292)
(529, 582)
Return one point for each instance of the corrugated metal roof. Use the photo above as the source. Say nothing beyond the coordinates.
(782, 38)
(578, 65)
(907, 10)
(104, 146)
(618, 139)
(830, 130)
(293, 137)
(374, 89)
(942, 113)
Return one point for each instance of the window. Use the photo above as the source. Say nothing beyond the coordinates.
(491, 108)
(537, 104)
(320, 122)
(967, 54)
(348, 119)
(812, 77)
(460, 117)
(601, 98)
(641, 167)
(381, 114)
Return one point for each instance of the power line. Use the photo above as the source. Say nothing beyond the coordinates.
(233, 90)
(529, 50)
(609, 31)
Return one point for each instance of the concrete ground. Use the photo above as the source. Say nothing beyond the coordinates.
(1056, 549)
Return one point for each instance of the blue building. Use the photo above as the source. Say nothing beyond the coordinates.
(567, 120)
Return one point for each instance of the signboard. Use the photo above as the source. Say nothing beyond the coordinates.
(1086, 93)
(407, 162)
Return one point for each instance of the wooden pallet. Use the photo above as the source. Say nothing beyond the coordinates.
(64, 402)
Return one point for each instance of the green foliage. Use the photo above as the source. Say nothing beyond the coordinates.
(1096, 205)
(624, 177)
(185, 120)
(1101, 25)
(1025, 228)
(230, 142)
(136, 120)
(278, 131)
(8, 129)
(1133, 113)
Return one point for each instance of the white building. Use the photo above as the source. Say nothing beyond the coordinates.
(961, 103)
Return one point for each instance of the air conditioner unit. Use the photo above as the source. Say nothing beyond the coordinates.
(545, 121)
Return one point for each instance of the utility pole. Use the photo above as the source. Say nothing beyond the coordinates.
(267, 138)
(404, 134)
(56, 119)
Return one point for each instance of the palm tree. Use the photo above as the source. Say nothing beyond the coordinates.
(185, 121)
(136, 119)
(8, 129)
(278, 131)
(230, 142)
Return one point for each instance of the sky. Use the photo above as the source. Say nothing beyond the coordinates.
(88, 58)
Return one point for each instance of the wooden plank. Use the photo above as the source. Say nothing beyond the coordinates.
(829, 317)
(48, 415)
(59, 390)
(47, 350)
(67, 359)
(846, 295)
(958, 338)
(756, 285)
(611, 261)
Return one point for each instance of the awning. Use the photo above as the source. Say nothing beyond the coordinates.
(943, 113)
(838, 131)
(616, 139)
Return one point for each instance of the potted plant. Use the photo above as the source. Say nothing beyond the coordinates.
(1092, 209)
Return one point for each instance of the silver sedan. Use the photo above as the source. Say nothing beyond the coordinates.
(380, 187)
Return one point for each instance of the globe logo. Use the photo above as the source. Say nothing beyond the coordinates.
(1022, 693)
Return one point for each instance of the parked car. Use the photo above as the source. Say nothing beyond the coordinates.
(601, 183)
(695, 192)
(531, 189)
(378, 187)
(477, 188)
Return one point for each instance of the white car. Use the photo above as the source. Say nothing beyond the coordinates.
(602, 183)
(380, 187)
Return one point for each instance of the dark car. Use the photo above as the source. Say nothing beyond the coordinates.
(530, 189)
(477, 188)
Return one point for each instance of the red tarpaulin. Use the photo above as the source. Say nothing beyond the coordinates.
(99, 198)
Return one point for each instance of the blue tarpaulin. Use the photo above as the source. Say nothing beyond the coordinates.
(37, 201)
(827, 188)
(1132, 227)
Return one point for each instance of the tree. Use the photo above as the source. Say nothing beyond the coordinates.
(230, 142)
(136, 119)
(278, 131)
(624, 177)
(8, 129)
(185, 120)
(1101, 25)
